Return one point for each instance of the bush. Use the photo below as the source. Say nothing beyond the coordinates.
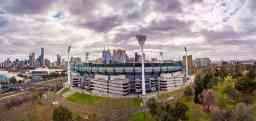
(61, 114)
(202, 82)
(246, 85)
(188, 91)
(232, 93)
(168, 112)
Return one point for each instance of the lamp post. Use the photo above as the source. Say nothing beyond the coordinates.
(141, 39)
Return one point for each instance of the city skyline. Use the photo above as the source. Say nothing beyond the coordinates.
(221, 30)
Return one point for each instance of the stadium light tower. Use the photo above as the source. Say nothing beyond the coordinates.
(141, 39)
(87, 57)
(69, 67)
(186, 56)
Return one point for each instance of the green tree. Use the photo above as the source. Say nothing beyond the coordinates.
(246, 85)
(13, 80)
(203, 81)
(243, 113)
(232, 93)
(61, 114)
(188, 91)
(167, 112)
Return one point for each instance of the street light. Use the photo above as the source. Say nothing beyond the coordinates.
(141, 39)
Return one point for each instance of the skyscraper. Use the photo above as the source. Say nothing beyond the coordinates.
(58, 59)
(137, 57)
(42, 57)
(189, 62)
(32, 59)
(119, 56)
(106, 57)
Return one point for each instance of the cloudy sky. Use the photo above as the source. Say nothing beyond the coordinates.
(219, 29)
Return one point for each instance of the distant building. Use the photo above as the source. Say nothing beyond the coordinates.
(190, 61)
(137, 57)
(98, 61)
(41, 74)
(47, 62)
(76, 60)
(41, 57)
(106, 57)
(4, 82)
(32, 59)
(119, 56)
(154, 60)
(202, 62)
(247, 62)
(58, 59)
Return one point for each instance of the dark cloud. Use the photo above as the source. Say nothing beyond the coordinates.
(170, 6)
(28, 6)
(168, 28)
(103, 24)
(86, 22)
(3, 22)
(221, 35)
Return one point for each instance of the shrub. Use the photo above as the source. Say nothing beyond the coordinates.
(61, 114)
(188, 91)
(232, 93)
(168, 112)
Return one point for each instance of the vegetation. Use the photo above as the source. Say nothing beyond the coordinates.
(188, 91)
(61, 114)
(217, 95)
(141, 116)
(85, 99)
(13, 80)
(167, 112)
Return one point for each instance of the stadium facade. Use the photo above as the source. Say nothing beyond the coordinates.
(125, 79)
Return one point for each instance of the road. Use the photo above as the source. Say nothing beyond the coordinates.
(28, 87)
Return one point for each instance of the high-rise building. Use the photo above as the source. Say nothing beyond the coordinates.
(58, 59)
(106, 57)
(32, 59)
(190, 61)
(75, 60)
(87, 57)
(137, 57)
(47, 63)
(119, 56)
(41, 57)
(202, 62)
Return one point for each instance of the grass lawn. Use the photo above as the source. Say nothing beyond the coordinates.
(141, 117)
(85, 99)
(134, 102)
(64, 91)
(164, 96)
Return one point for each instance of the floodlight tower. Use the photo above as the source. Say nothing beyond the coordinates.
(69, 67)
(186, 57)
(141, 39)
(161, 57)
(87, 57)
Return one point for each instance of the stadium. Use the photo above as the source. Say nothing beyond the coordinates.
(125, 79)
